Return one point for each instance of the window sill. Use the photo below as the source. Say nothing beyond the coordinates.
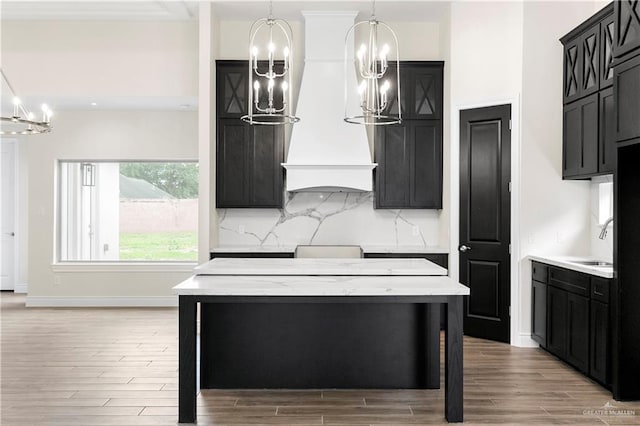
(118, 267)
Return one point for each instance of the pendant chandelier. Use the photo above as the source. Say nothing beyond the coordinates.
(22, 121)
(378, 84)
(270, 77)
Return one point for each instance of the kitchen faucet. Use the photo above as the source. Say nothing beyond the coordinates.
(603, 231)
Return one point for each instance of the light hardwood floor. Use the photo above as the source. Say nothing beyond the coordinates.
(119, 367)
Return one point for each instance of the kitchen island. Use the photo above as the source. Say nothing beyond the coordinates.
(319, 323)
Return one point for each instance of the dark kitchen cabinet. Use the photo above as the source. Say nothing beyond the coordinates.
(248, 171)
(424, 91)
(409, 172)
(589, 109)
(626, 87)
(599, 350)
(409, 155)
(607, 35)
(557, 321)
(580, 137)
(577, 351)
(248, 158)
(539, 303)
(575, 318)
(607, 135)
(232, 84)
(627, 27)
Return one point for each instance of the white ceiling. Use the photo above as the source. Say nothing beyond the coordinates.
(390, 10)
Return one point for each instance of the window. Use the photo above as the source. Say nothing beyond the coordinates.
(126, 211)
(605, 202)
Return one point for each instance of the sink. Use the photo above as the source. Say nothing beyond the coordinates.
(596, 263)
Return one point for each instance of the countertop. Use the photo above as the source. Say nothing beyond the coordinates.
(208, 285)
(365, 249)
(566, 262)
(322, 266)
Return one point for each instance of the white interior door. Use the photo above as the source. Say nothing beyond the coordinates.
(7, 217)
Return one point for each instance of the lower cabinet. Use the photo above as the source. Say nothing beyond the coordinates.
(570, 318)
(578, 332)
(557, 321)
(539, 313)
(599, 351)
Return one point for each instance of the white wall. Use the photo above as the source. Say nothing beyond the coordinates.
(555, 214)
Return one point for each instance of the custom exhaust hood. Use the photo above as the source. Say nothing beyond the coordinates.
(325, 153)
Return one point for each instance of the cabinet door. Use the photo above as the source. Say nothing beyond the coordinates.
(231, 165)
(265, 182)
(590, 61)
(556, 321)
(539, 313)
(599, 353)
(424, 92)
(578, 331)
(580, 138)
(572, 71)
(627, 26)
(426, 164)
(626, 88)
(606, 51)
(232, 85)
(392, 175)
(607, 137)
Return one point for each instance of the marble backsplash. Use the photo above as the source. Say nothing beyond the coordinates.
(328, 218)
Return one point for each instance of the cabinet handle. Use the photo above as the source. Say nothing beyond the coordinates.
(597, 293)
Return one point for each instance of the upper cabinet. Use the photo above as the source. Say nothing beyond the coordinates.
(607, 35)
(231, 88)
(248, 158)
(627, 27)
(588, 137)
(409, 155)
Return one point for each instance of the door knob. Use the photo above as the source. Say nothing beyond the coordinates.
(464, 248)
(11, 234)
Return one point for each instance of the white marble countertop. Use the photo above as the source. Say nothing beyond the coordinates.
(312, 266)
(567, 263)
(292, 249)
(209, 285)
(253, 249)
(404, 249)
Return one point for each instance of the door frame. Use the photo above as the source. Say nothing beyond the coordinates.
(17, 223)
(516, 338)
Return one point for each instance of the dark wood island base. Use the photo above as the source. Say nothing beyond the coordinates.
(428, 347)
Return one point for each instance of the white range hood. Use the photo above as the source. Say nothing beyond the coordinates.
(325, 153)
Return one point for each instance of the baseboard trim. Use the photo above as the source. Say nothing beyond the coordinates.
(102, 302)
(21, 288)
(525, 341)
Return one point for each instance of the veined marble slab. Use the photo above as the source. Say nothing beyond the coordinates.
(208, 285)
(322, 266)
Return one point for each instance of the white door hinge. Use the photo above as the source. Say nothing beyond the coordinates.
(509, 248)
(509, 310)
(510, 187)
(509, 124)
